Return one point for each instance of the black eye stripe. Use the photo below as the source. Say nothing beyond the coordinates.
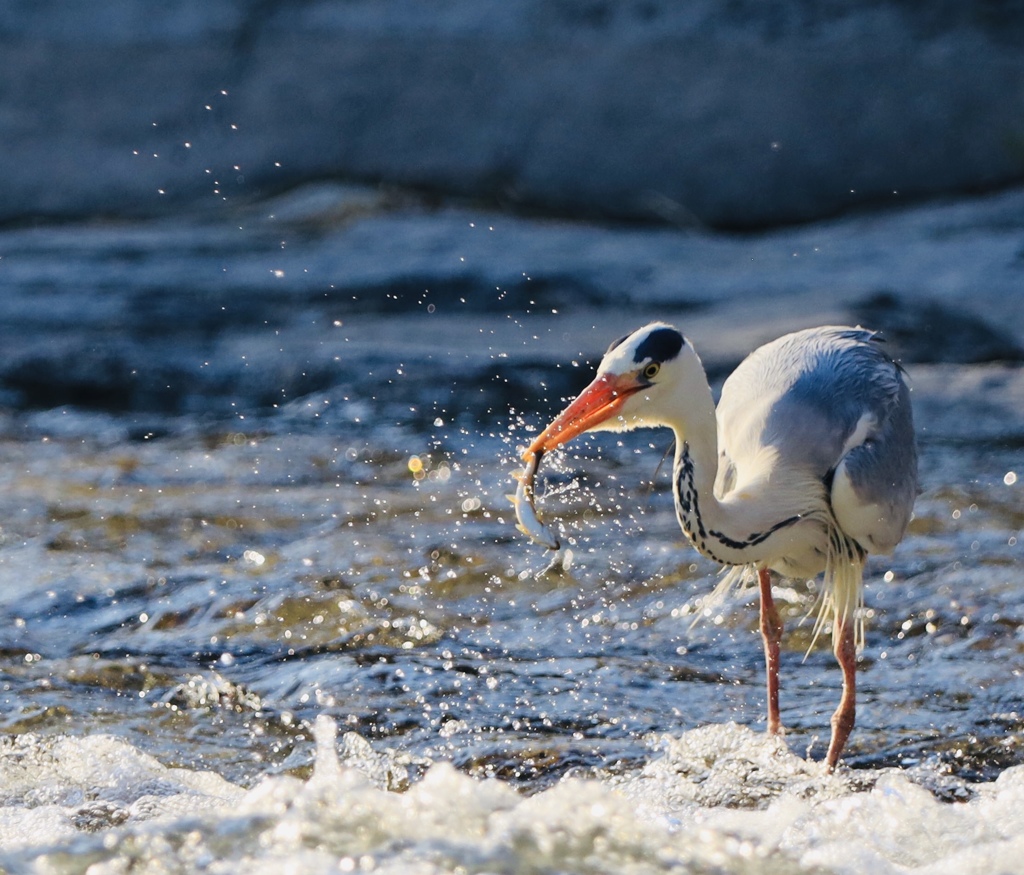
(661, 345)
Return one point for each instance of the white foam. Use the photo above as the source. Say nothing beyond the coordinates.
(721, 799)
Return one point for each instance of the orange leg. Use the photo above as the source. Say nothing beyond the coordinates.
(845, 650)
(771, 634)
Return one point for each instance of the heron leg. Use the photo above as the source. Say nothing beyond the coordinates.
(771, 635)
(845, 649)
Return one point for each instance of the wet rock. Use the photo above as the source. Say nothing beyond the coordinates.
(930, 332)
(982, 403)
(406, 316)
(736, 114)
(212, 691)
(107, 378)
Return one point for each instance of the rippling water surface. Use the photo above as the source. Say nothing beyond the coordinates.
(308, 520)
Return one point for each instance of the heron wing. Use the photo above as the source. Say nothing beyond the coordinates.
(825, 405)
(875, 482)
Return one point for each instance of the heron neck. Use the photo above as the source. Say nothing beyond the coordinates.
(735, 529)
(695, 424)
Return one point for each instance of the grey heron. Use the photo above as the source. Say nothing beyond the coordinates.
(807, 465)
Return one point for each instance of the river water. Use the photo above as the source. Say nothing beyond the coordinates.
(268, 610)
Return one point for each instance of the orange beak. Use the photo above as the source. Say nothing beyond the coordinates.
(598, 403)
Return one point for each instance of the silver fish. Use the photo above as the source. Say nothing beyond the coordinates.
(526, 512)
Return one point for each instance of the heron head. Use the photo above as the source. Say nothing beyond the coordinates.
(630, 385)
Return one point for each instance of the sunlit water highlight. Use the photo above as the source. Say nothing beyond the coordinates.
(196, 596)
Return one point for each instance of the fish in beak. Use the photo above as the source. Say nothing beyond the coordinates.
(600, 402)
(526, 511)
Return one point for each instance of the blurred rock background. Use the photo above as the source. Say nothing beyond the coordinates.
(722, 113)
(211, 209)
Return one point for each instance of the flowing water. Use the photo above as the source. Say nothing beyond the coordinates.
(254, 522)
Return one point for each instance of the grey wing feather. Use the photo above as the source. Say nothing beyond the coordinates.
(832, 404)
(875, 483)
(802, 395)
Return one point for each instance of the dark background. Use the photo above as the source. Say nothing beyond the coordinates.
(727, 113)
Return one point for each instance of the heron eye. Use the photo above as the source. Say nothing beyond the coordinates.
(651, 371)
